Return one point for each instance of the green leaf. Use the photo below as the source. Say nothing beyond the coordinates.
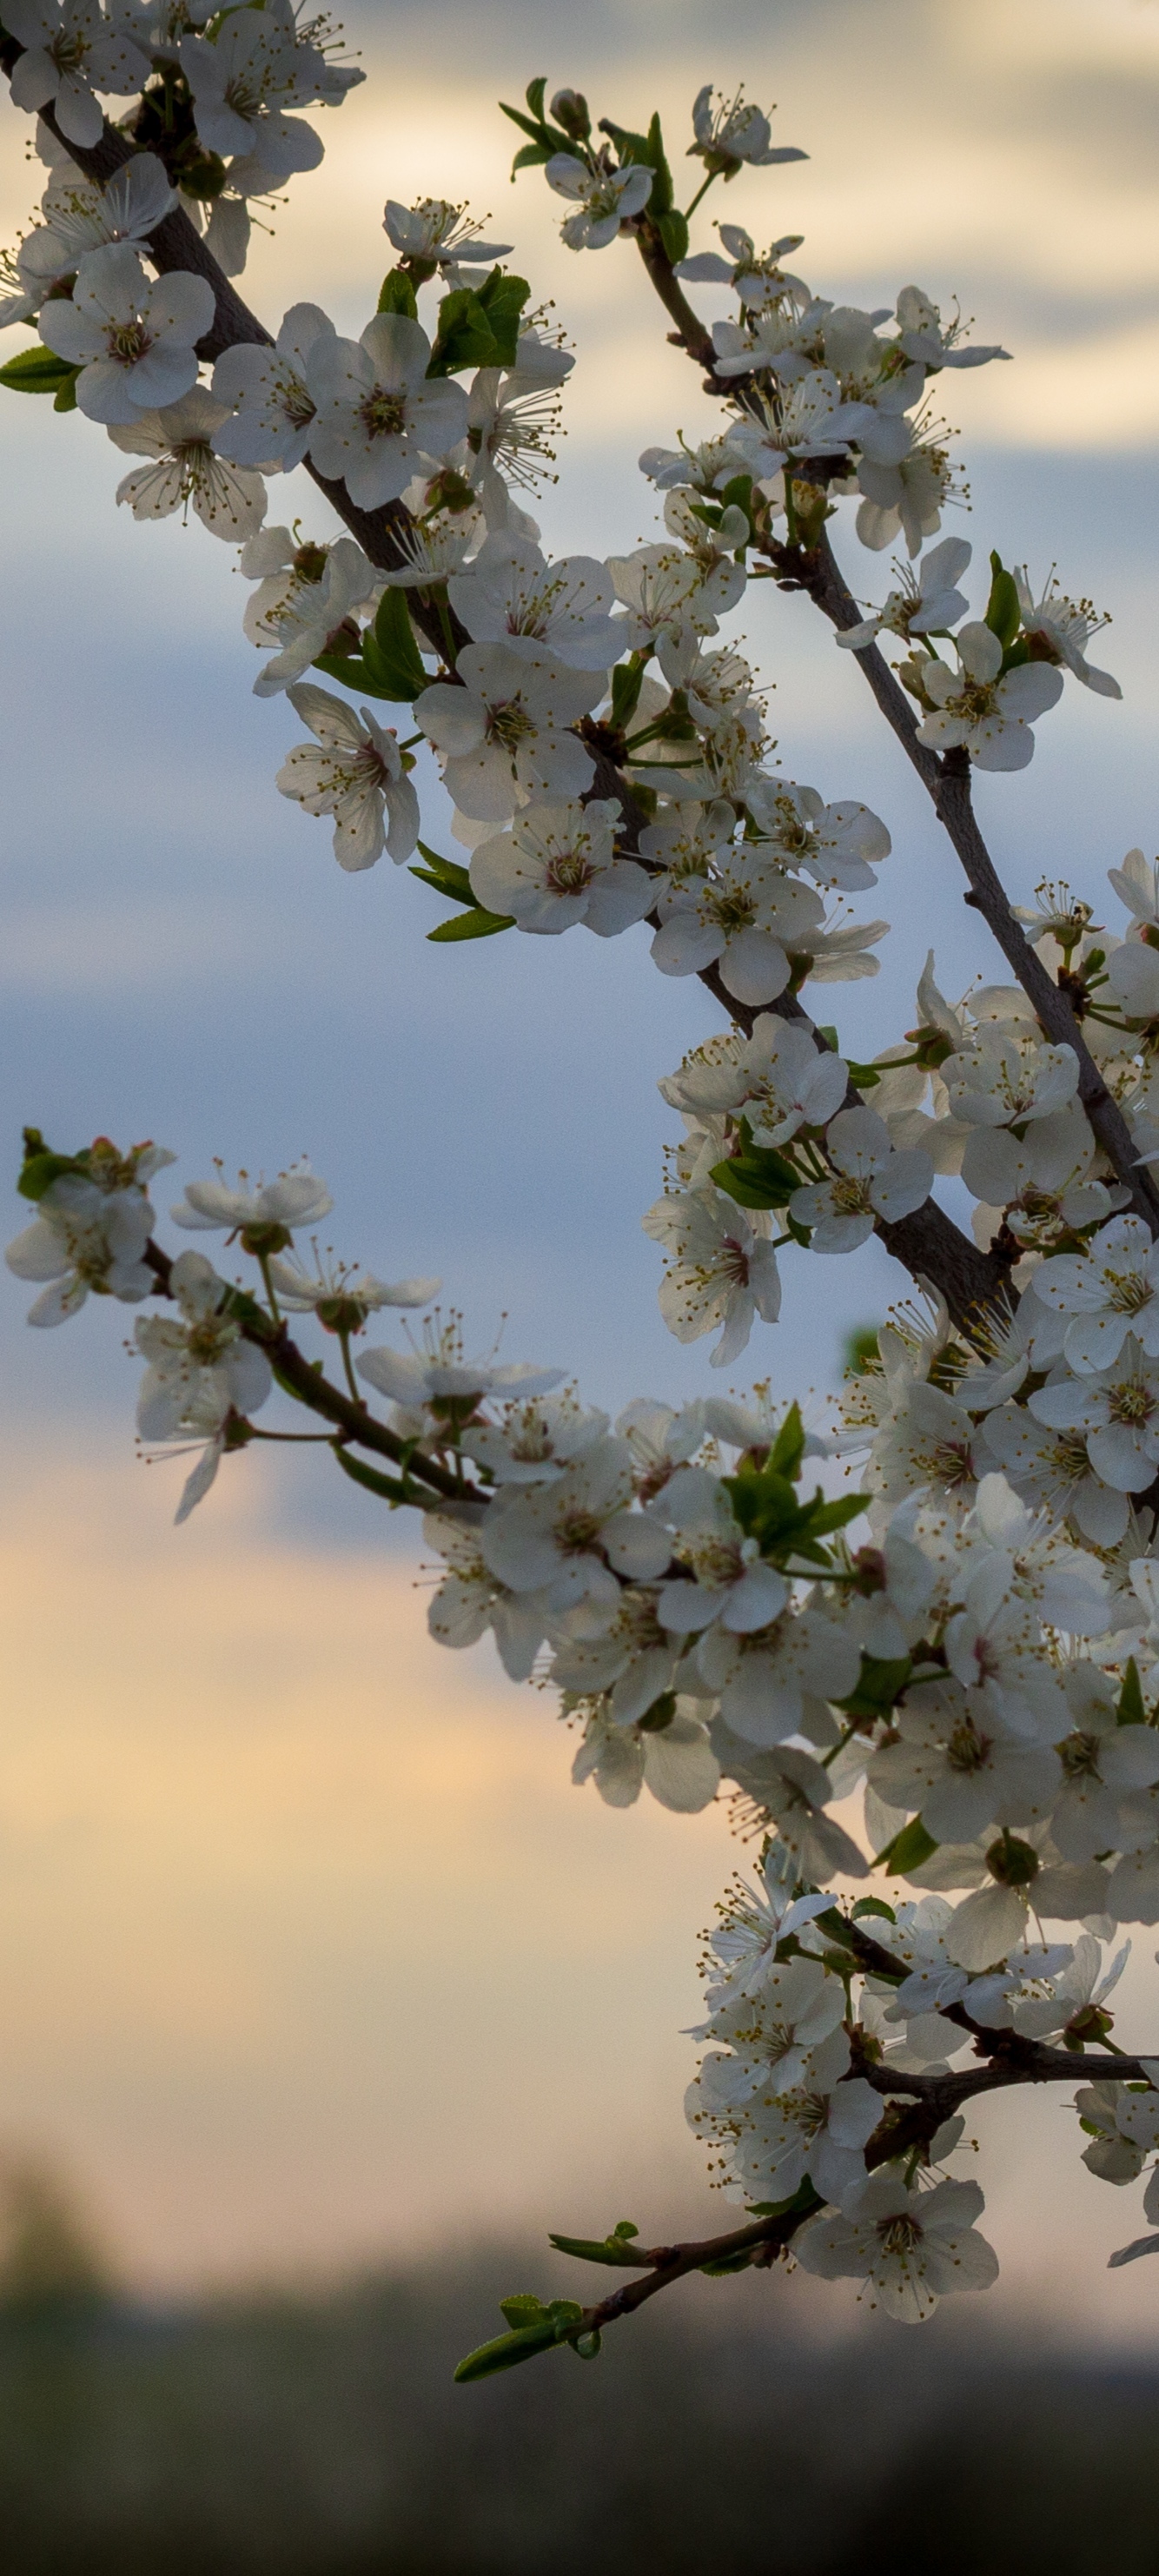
(390, 653)
(909, 1848)
(446, 875)
(391, 1489)
(534, 2329)
(41, 1168)
(788, 1448)
(757, 1177)
(861, 1349)
(627, 682)
(613, 2249)
(673, 231)
(40, 371)
(397, 295)
(1003, 614)
(535, 93)
(879, 1685)
(1131, 1711)
(473, 925)
(479, 327)
(531, 155)
(872, 1905)
(738, 2262)
(649, 149)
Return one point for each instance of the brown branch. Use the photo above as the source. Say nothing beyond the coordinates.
(306, 1383)
(946, 781)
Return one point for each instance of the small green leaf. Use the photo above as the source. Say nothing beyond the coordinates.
(1131, 1710)
(757, 1177)
(391, 1489)
(473, 925)
(614, 2249)
(40, 371)
(908, 1849)
(788, 1449)
(673, 231)
(627, 682)
(879, 1685)
(41, 1168)
(872, 1905)
(535, 93)
(534, 2329)
(389, 651)
(1003, 614)
(397, 295)
(479, 327)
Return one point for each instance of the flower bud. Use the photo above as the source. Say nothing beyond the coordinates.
(569, 107)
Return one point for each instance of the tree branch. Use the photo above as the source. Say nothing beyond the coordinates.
(946, 781)
(353, 1420)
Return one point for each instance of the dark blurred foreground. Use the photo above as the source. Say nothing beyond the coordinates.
(324, 2437)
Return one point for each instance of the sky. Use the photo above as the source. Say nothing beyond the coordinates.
(308, 1951)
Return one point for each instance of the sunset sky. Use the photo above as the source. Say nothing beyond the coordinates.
(308, 1951)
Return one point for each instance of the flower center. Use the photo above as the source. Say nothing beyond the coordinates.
(383, 415)
(509, 724)
(900, 2235)
(569, 871)
(1126, 1291)
(967, 1750)
(577, 1531)
(128, 342)
(1131, 1402)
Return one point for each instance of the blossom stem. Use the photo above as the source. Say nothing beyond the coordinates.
(702, 191)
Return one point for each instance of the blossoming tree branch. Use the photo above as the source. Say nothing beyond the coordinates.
(966, 1641)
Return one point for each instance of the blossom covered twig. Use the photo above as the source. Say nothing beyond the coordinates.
(967, 1639)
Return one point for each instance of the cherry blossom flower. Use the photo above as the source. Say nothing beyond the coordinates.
(469, 1601)
(1116, 1409)
(572, 1537)
(1110, 1291)
(305, 594)
(734, 132)
(998, 1083)
(269, 409)
(504, 734)
(839, 845)
(606, 199)
(721, 1270)
(973, 706)
(511, 595)
(73, 50)
(959, 1777)
(558, 865)
(81, 217)
(921, 335)
(132, 339)
(619, 1649)
(433, 234)
(90, 1233)
(1052, 1472)
(927, 602)
(297, 1198)
(234, 76)
(747, 915)
(675, 1763)
(341, 1298)
(356, 775)
(772, 1680)
(1061, 629)
(817, 2129)
(779, 1077)
(910, 2248)
(185, 472)
(907, 498)
(871, 1181)
(201, 1364)
(811, 419)
(727, 1578)
(378, 412)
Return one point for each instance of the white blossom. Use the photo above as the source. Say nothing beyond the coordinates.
(269, 409)
(297, 1198)
(574, 1536)
(90, 1232)
(132, 338)
(185, 472)
(675, 1763)
(356, 774)
(436, 234)
(511, 595)
(991, 716)
(870, 1181)
(377, 411)
(200, 1365)
(558, 865)
(721, 1270)
(505, 734)
(747, 916)
(910, 2248)
(604, 199)
(72, 51)
(735, 131)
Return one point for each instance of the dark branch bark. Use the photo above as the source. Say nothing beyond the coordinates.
(946, 781)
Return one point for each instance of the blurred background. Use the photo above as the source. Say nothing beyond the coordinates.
(322, 1994)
